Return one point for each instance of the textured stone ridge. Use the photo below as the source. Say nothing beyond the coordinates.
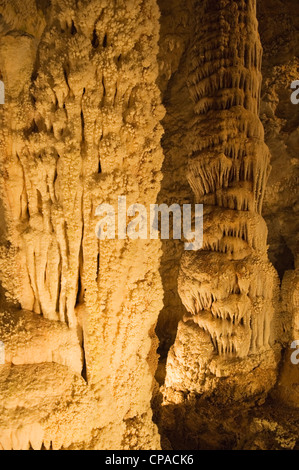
(228, 287)
(83, 123)
(81, 127)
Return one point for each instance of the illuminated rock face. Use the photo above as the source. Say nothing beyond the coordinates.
(228, 287)
(80, 127)
(288, 381)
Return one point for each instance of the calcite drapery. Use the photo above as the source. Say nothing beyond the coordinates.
(228, 286)
(80, 127)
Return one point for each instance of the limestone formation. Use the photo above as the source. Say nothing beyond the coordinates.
(287, 389)
(229, 286)
(80, 127)
(137, 344)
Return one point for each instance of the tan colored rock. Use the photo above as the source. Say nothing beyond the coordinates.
(287, 388)
(81, 127)
(228, 287)
(84, 84)
(45, 405)
(31, 339)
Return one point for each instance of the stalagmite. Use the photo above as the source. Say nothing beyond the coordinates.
(228, 287)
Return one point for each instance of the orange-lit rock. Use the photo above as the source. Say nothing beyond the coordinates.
(161, 101)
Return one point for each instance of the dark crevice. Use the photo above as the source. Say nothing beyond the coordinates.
(34, 128)
(105, 41)
(65, 73)
(98, 266)
(39, 202)
(73, 29)
(82, 126)
(95, 40)
(59, 284)
(84, 369)
(284, 259)
(80, 291)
